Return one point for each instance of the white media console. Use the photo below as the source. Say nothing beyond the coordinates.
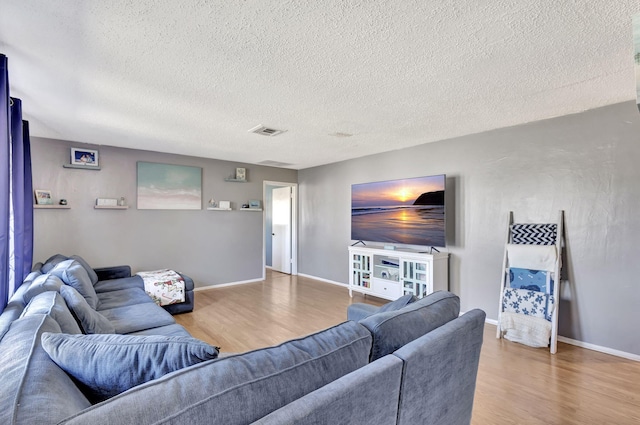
(389, 274)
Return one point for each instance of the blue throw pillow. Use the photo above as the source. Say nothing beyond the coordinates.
(110, 364)
(397, 304)
(89, 320)
(93, 276)
(73, 274)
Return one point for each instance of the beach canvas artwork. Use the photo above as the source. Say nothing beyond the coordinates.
(169, 187)
(407, 211)
(636, 54)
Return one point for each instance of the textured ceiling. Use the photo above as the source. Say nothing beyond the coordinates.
(344, 78)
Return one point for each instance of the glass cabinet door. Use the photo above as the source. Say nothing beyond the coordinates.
(415, 278)
(361, 266)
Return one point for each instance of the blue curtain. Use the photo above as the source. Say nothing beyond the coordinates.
(4, 182)
(22, 195)
(16, 204)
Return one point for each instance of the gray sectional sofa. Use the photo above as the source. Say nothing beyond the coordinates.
(414, 364)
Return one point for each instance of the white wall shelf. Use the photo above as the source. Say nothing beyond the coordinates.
(250, 209)
(219, 209)
(111, 207)
(81, 167)
(236, 180)
(51, 207)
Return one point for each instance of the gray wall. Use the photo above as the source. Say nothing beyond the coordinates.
(212, 247)
(586, 164)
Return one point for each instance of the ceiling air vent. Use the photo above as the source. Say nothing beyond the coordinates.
(266, 131)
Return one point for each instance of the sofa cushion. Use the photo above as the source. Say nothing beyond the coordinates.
(393, 329)
(168, 330)
(73, 274)
(444, 365)
(42, 283)
(118, 284)
(34, 390)
(52, 261)
(89, 320)
(90, 272)
(239, 389)
(366, 396)
(398, 304)
(137, 317)
(31, 276)
(53, 305)
(122, 298)
(107, 365)
(358, 311)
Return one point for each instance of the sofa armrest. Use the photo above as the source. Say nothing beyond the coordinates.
(116, 272)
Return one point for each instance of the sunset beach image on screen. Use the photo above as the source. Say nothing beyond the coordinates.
(406, 211)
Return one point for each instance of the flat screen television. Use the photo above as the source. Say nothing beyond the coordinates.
(407, 211)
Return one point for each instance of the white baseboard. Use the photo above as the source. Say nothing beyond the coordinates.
(599, 348)
(333, 282)
(222, 285)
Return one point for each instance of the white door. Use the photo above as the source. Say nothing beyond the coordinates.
(281, 230)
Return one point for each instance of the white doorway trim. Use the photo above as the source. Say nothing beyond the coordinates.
(294, 225)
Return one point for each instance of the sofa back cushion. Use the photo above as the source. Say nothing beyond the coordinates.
(73, 274)
(367, 396)
(439, 374)
(53, 305)
(393, 329)
(16, 304)
(89, 320)
(90, 272)
(51, 262)
(34, 389)
(42, 283)
(239, 389)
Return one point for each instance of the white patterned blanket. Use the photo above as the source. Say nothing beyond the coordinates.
(163, 286)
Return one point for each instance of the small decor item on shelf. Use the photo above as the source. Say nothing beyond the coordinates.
(254, 203)
(63, 202)
(122, 202)
(84, 157)
(213, 203)
(43, 197)
(245, 205)
(106, 202)
(241, 173)
(224, 205)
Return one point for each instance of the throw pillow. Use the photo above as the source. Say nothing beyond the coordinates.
(42, 283)
(110, 364)
(89, 320)
(73, 274)
(397, 304)
(92, 273)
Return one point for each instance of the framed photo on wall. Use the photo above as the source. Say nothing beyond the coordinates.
(43, 197)
(241, 173)
(84, 157)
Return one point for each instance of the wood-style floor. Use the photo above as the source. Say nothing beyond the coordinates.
(516, 384)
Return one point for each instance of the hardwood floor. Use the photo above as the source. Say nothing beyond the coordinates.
(516, 384)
